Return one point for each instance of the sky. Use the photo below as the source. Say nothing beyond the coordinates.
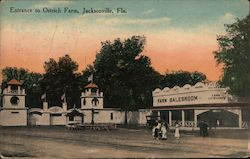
(180, 34)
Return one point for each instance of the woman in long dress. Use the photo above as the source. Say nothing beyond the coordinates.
(164, 131)
(177, 131)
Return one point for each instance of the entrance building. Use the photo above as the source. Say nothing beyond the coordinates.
(188, 105)
(13, 111)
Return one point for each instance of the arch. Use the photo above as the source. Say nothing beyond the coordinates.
(199, 85)
(166, 90)
(94, 101)
(176, 88)
(75, 110)
(35, 118)
(186, 87)
(55, 110)
(156, 91)
(219, 117)
(38, 110)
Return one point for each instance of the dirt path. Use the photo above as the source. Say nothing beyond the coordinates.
(121, 143)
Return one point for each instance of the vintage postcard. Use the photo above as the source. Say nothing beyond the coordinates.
(124, 79)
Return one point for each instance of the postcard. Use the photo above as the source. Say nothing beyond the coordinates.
(124, 79)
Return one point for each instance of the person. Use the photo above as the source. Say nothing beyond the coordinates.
(177, 131)
(164, 131)
(203, 128)
(154, 129)
(201, 125)
(205, 131)
(158, 131)
(217, 123)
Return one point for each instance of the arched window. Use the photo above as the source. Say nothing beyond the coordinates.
(95, 101)
(84, 101)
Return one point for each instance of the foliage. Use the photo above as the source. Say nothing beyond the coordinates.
(30, 81)
(234, 54)
(180, 78)
(125, 74)
(59, 78)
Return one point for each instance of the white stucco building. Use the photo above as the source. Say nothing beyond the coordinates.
(13, 111)
(91, 111)
(188, 105)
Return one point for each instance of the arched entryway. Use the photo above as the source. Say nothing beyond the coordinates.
(219, 118)
(35, 118)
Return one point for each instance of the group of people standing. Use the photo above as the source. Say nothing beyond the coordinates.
(160, 130)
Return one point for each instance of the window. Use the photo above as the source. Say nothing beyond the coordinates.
(111, 116)
(14, 112)
(14, 100)
(95, 101)
(71, 118)
(84, 101)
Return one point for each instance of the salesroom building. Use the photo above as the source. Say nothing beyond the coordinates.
(188, 105)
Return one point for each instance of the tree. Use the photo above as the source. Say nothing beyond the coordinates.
(59, 78)
(234, 54)
(124, 74)
(30, 81)
(10, 73)
(180, 78)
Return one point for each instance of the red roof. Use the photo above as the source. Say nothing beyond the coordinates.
(91, 85)
(14, 82)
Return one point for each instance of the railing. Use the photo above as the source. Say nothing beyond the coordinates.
(189, 123)
(186, 123)
(92, 94)
(174, 122)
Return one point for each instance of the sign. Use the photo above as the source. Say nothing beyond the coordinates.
(192, 97)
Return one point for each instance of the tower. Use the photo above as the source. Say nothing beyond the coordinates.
(13, 111)
(91, 98)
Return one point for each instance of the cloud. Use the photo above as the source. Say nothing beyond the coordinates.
(227, 18)
(148, 11)
(129, 21)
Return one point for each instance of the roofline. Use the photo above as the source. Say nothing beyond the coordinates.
(213, 105)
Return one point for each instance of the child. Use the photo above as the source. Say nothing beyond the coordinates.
(177, 131)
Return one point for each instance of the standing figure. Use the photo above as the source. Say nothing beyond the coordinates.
(158, 131)
(201, 125)
(164, 131)
(177, 131)
(205, 131)
(154, 130)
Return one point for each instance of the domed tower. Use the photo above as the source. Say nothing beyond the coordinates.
(91, 98)
(13, 111)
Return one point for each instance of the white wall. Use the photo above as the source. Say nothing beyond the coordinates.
(104, 116)
(58, 120)
(7, 104)
(13, 117)
(142, 116)
(36, 119)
